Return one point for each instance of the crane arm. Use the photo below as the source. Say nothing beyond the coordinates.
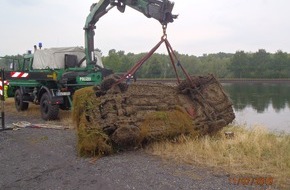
(157, 9)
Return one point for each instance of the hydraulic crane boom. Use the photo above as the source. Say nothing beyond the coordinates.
(157, 9)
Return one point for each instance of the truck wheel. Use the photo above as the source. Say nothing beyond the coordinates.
(48, 111)
(18, 99)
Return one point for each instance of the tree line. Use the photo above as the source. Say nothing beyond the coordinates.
(260, 64)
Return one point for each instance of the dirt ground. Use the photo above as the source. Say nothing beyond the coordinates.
(33, 158)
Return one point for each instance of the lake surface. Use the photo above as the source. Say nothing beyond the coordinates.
(261, 104)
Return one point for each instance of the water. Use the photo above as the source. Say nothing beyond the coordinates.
(261, 104)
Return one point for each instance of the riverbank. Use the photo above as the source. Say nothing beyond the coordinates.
(246, 80)
(249, 159)
(251, 156)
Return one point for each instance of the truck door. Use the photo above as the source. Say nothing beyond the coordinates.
(27, 64)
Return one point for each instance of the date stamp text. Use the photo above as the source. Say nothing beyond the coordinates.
(252, 181)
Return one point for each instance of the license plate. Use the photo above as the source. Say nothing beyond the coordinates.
(85, 79)
(62, 93)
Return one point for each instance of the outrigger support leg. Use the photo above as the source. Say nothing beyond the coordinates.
(2, 99)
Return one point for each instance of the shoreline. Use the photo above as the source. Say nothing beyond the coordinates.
(224, 80)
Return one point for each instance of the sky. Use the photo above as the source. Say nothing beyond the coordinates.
(202, 27)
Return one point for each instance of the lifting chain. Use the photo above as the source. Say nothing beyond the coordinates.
(164, 27)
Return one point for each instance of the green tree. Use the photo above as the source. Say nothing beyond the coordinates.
(261, 62)
(239, 64)
(281, 64)
(112, 61)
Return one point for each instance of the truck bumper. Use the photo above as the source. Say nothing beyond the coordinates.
(57, 100)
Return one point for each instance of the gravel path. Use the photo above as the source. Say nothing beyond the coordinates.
(46, 159)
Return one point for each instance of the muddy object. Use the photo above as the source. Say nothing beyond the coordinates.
(128, 116)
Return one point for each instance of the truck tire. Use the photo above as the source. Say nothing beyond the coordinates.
(48, 111)
(18, 99)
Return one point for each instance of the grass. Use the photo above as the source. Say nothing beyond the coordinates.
(92, 141)
(251, 152)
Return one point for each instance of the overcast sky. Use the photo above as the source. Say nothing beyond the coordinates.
(203, 26)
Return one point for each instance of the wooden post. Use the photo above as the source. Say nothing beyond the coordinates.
(2, 99)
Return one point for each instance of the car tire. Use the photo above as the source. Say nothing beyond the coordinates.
(48, 111)
(19, 103)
